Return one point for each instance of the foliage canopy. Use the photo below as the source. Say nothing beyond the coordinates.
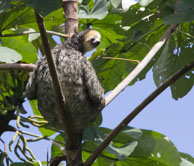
(128, 33)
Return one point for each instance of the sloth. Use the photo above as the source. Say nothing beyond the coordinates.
(84, 94)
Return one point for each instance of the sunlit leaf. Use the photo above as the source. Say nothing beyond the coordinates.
(99, 11)
(9, 55)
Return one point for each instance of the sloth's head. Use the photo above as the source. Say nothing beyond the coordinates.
(85, 41)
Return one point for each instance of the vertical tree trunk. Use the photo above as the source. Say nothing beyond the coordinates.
(70, 8)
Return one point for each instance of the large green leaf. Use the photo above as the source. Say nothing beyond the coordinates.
(99, 11)
(171, 60)
(155, 148)
(133, 146)
(18, 15)
(9, 55)
(22, 46)
(183, 11)
(43, 7)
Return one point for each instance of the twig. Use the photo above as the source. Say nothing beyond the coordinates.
(185, 33)
(61, 99)
(39, 137)
(32, 31)
(11, 66)
(136, 111)
(122, 59)
(140, 66)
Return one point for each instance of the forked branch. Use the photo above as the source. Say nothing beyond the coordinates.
(140, 66)
(136, 111)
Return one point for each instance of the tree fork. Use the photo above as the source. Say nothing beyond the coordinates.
(136, 111)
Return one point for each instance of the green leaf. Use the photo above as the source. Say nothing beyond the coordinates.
(22, 46)
(109, 71)
(143, 147)
(145, 2)
(115, 3)
(189, 159)
(17, 15)
(55, 151)
(182, 11)
(99, 11)
(9, 55)
(121, 152)
(33, 36)
(155, 149)
(43, 7)
(186, 162)
(173, 59)
(43, 130)
(4, 5)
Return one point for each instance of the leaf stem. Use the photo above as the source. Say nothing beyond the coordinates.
(32, 32)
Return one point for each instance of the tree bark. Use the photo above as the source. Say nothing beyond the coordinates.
(70, 8)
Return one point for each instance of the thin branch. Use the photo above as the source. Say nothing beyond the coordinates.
(136, 111)
(140, 66)
(122, 59)
(32, 31)
(17, 66)
(61, 99)
(142, 37)
(185, 33)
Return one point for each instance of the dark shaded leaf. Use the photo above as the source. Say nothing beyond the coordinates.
(182, 11)
(171, 60)
(43, 7)
(4, 5)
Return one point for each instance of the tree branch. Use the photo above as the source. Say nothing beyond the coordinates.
(122, 59)
(32, 31)
(140, 66)
(17, 66)
(68, 127)
(136, 111)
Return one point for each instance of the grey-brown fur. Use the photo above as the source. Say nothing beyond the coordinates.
(83, 92)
